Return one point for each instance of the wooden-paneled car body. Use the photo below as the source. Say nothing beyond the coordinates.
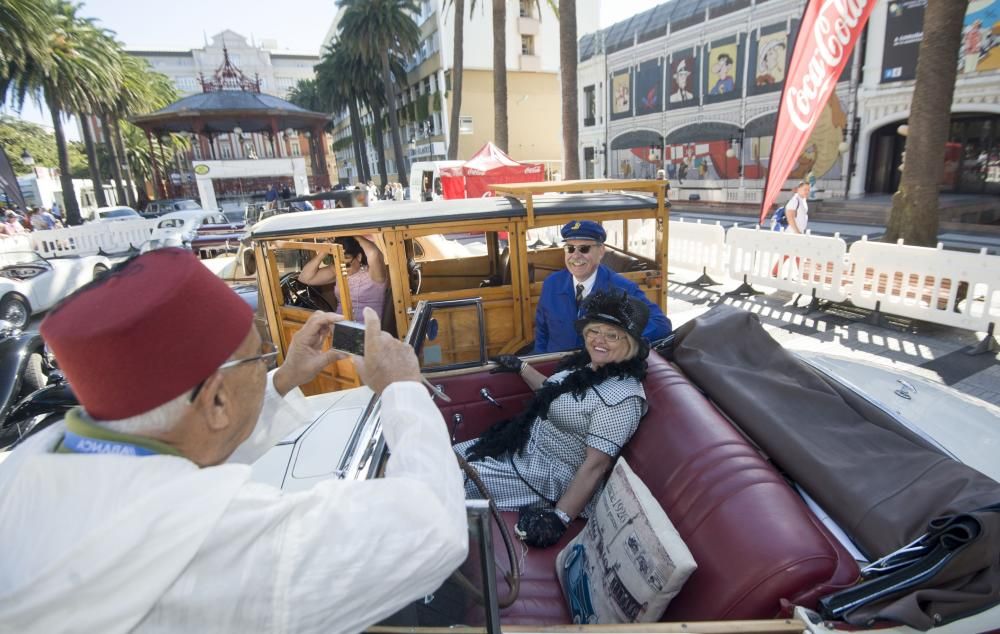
(498, 249)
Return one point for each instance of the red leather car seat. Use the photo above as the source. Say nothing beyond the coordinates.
(752, 536)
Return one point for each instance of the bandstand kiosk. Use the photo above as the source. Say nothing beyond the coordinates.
(236, 132)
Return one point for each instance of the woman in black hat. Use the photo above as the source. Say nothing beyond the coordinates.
(550, 460)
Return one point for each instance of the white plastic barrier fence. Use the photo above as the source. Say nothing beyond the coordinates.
(696, 246)
(89, 239)
(798, 263)
(952, 288)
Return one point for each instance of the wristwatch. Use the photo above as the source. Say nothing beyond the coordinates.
(563, 516)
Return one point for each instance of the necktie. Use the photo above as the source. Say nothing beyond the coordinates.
(579, 294)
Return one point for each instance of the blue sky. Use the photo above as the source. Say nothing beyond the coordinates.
(297, 25)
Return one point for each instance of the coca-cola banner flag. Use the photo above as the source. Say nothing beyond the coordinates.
(827, 35)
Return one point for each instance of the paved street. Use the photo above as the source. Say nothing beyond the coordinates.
(936, 353)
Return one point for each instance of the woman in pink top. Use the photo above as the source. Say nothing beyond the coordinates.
(367, 276)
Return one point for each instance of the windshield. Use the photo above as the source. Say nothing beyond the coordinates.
(118, 213)
(186, 204)
(11, 258)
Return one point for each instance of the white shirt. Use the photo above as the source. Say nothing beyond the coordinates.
(588, 284)
(800, 206)
(110, 543)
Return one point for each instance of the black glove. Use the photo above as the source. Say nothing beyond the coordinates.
(539, 527)
(507, 363)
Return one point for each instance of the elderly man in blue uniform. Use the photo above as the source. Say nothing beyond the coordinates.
(563, 291)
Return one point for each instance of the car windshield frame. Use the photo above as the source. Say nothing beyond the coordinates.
(29, 257)
(118, 213)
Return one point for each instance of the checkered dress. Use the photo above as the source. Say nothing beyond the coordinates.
(604, 419)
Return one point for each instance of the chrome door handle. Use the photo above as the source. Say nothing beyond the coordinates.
(485, 393)
(456, 421)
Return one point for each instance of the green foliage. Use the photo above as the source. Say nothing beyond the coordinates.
(305, 94)
(436, 102)
(423, 107)
(17, 135)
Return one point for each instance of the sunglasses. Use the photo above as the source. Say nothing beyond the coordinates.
(584, 249)
(268, 354)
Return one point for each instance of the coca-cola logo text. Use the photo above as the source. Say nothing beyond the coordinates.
(838, 24)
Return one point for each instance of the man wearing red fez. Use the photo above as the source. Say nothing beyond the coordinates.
(137, 511)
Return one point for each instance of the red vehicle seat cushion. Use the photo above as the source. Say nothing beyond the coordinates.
(754, 539)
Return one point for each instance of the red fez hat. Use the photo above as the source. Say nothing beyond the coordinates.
(146, 334)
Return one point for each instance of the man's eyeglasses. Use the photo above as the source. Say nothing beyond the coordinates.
(583, 248)
(611, 336)
(268, 354)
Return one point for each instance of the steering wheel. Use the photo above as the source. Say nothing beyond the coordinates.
(416, 276)
(513, 577)
(295, 293)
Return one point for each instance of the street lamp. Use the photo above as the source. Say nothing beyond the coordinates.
(26, 158)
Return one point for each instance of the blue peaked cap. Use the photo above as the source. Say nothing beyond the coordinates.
(583, 230)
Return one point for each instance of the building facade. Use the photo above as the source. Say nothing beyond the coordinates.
(533, 90)
(693, 88)
(274, 72)
(277, 70)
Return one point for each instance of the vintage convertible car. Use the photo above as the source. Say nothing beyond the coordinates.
(31, 284)
(207, 233)
(785, 480)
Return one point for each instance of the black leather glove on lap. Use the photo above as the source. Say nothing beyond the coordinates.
(539, 527)
(507, 363)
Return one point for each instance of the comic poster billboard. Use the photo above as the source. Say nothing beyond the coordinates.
(723, 69)
(621, 94)
(649, 87)
(682, 79)
(978, 50)
(768, 58)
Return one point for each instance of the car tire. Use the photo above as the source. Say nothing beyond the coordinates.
(15, 309)
(99, 270)
(34, 376)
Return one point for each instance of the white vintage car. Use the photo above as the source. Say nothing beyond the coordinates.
(31, 284)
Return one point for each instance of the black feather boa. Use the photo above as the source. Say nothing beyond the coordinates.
(511, 435)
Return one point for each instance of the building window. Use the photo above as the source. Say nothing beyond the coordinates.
(225, 150)
(527, 45)
(465, 125)
(296, 150)
(526, 9)
(590, 105)
(185, 84)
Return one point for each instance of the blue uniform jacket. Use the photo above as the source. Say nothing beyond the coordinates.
(557, 310)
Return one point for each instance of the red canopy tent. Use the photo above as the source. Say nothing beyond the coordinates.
(490, 165)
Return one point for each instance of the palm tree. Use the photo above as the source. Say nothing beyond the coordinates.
(64, 76)
(500, 126)
(337, 63)
(914, 215)
(458, 62)
(141, 90)
(305, 94)
(101, 98)
(568, 85)
(25, 26)
(500, 74)
(375, 28)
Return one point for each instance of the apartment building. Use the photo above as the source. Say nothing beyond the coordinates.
(533, 89)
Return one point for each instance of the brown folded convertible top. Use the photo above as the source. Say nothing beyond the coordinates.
(881, 484)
